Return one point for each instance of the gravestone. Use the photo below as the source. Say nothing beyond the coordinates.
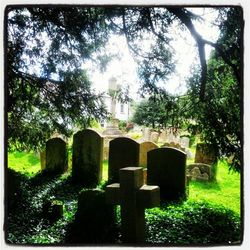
(185, 142)
(154, 137)
(166, 168)
(133, 197)
(94, 221)
(144, 148)
(163, 136)
(56, 156)
(199, 171)
(87, 157)
(123, 152)
(205, 153)
(146, 134)
(43, 159)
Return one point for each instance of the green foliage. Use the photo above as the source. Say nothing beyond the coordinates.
(122, 125)
(193, 223)
(58, 96)
(160, 111)
(204, 219)
(26, 223)
(94, 220)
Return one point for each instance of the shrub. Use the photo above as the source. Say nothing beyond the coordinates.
(193, 223)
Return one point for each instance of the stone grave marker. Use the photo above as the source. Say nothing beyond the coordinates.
(145, 147)
(43, 159)
(199, 171)
(133, 197)
(154, 137)
(56, 156)
(185, 141)
(166, 168)
(146, 134)
(123, 152)
(87, 157)
(205, 153)
(163, 136)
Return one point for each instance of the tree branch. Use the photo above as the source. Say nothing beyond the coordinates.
(186, 20)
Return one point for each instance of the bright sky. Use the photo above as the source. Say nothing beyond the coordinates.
(186, 56)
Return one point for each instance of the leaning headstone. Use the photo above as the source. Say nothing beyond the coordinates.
(133, 197)
(166, 168)
(145, 147)
(87, 157)
(56, 156)
(123, 152)
(205, 153)
(154, 137)
(199, 171)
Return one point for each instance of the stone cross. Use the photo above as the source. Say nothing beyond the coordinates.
(133, 197)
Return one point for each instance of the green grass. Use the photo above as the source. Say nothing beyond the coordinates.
(24, 163)
(207, 217)
(225, 191)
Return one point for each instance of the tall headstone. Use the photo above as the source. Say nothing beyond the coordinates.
(87, 157)
(145, 147)
(133, 197)
(56, 156)
(205, 153)
(123, 152)
(166, 168)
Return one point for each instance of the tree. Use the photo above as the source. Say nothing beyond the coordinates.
(219, 116)
(160, 112)
(75, 34)
(38, 104)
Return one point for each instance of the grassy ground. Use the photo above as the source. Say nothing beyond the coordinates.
(25, 163)
(225, 191)
(206, 217)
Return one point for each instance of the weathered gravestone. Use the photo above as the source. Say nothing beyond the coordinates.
(163, 136)
(133, 197)
(56, 156)
(43, 159)
(199, 171)
(205, 153)
(146, 134)
(167, 169)
(145, 147)
(185, 141)
(154, 136)
(87, 157)
(123, 152)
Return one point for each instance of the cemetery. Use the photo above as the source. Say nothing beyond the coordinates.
(72, 203)
(91, 167)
